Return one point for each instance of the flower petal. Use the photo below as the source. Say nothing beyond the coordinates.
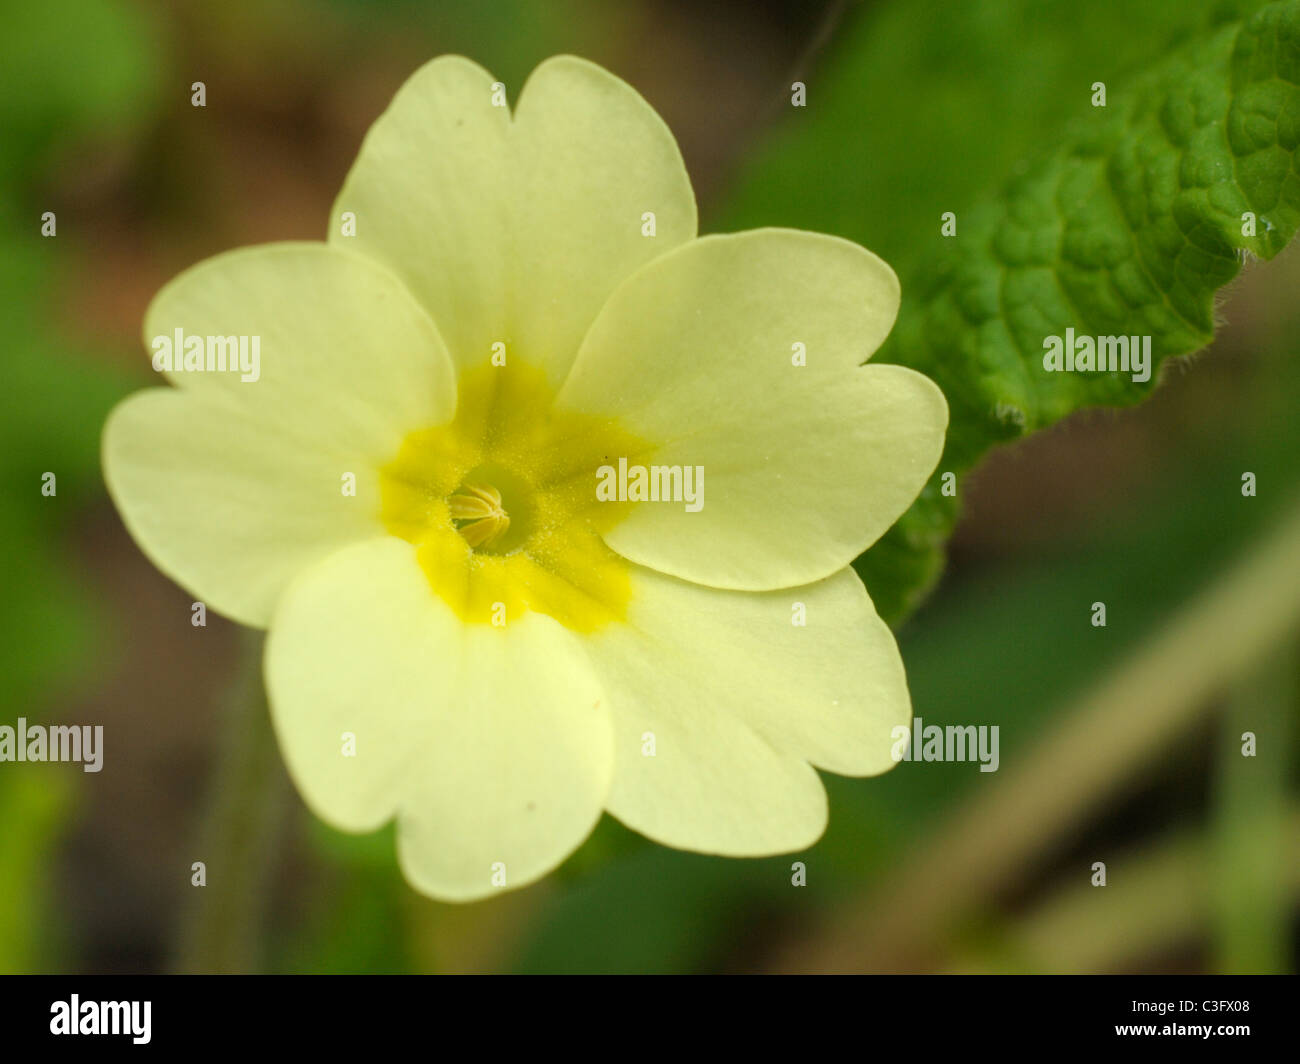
(516, 233)
(430, 192)
(490, 745)
(805, 466)
(231, 487)
(592, 159)
(738, 698)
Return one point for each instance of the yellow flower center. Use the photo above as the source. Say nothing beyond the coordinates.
(501, 503)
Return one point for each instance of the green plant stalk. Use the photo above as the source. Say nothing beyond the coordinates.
(222, 930)
(1250, 835)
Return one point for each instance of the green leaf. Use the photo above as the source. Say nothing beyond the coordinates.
(1129, 227)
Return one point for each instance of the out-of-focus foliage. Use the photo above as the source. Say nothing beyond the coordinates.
(32, 808)
(67, 70)
(518, 36)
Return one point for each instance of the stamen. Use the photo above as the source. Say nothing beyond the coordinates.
(481, 507)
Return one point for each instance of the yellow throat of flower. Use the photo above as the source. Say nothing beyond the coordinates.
(501, 504)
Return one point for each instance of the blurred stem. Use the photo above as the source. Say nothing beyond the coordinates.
(245, 811)
(1110, 734)
(828, 24)
(1154, 900)
(1250, 831)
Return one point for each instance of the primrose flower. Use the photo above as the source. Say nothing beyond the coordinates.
(548, 505)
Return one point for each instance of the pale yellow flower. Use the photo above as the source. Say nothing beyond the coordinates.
(473, 643)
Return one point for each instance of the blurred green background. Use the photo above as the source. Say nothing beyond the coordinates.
(1118, 744)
